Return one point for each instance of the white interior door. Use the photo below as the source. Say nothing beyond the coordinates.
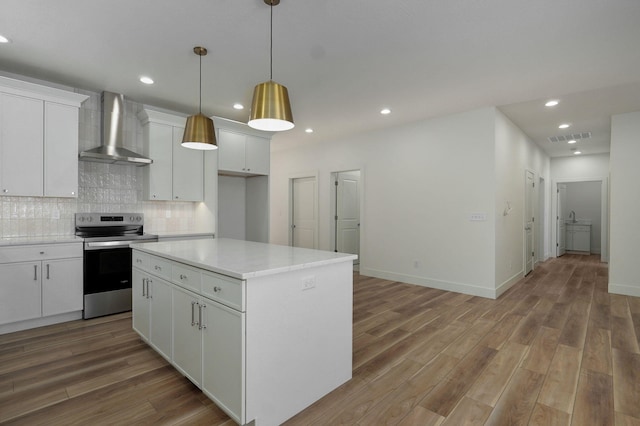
(561, 234)
(304, 213)
(348, 212)
(529, 223)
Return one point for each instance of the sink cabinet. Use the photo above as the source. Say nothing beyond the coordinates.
(578, 237)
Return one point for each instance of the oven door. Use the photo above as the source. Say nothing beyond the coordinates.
(107, 266)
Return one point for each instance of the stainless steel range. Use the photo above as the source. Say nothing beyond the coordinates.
(107, 259)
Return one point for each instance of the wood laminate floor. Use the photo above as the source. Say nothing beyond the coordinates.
(556, 349)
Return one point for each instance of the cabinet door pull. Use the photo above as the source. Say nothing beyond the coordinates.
(201, 326)
(149, 296)
(144, 283)
(47, 271)
(193, 314)
(35, 272)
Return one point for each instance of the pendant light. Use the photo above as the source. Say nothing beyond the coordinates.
(198, 132)
(270, 108)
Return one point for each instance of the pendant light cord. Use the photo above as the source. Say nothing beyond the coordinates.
(200, 91)
(271, 44)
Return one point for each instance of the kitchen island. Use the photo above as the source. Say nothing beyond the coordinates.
(263, 330)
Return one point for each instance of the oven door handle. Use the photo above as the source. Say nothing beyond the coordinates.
(101, 245)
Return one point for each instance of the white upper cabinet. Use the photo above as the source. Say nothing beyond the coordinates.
(242, 151)
(38, 140)
(177, 173)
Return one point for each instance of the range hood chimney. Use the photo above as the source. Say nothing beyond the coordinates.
(111, 123)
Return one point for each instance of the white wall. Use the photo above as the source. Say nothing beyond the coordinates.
(515, 153)
(231, 207)
(625, 204)
(421, 182)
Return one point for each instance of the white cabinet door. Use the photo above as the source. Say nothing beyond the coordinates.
(582, 238)
(188, 170)
(61, 286)
(231, 151)
(21, 148)
(60, 150)
(187, 337)
(141, 318)
(160, 296)
(158, 175)
(257, 155)
(20, 291)
(223, 348)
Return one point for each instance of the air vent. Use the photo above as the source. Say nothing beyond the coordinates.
(567, 138)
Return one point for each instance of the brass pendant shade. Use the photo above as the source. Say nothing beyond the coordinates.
(198, 131)
(270, 108)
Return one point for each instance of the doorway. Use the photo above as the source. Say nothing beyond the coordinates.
(588, 198)
(304, 212)
(345, 209)
(529, 220)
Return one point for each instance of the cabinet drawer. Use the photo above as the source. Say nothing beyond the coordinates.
(26, 253)
(160, 267)
(140, 260)
(224, 290)
(187, 277)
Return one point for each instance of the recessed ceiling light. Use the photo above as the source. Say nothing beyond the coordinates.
(551, 103)
(572, 141)
(308, 130)
(146, 80)
(563, 126)
(577, 152)
(3, 39)
(238, 106)
(385, 111)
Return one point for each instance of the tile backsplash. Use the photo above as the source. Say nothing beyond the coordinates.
(101, 188)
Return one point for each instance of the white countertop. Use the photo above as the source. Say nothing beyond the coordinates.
(41, 239)
(242, 259)
(180, 234)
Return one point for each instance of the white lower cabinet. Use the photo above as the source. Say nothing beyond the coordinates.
(201, 337)
(152, 310)
(187, 335)
(40, 281)
(223, 352)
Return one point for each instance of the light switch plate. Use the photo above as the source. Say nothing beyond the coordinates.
(478, 217)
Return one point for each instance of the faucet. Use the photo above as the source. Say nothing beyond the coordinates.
(572, 216)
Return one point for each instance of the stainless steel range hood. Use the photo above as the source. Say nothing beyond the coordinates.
(111, 124)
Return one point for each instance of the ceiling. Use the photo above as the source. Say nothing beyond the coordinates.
(343, 61)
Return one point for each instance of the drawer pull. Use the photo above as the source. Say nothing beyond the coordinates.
(138, 260)
(217, 289)
(158, 268)
(183, 277)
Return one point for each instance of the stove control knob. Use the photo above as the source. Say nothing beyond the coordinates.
(81, 218)
(89, 219)
(131, 218)
(138, 218)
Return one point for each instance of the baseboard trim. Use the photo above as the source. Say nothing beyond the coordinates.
(509, 283)
(39, 322)
(626, 290)
(469, 289)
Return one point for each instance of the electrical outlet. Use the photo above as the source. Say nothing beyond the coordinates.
(308, 283)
